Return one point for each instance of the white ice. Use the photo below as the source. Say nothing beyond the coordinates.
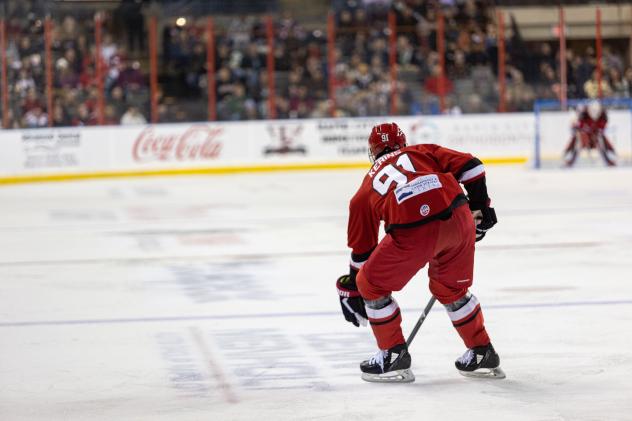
(212, 298)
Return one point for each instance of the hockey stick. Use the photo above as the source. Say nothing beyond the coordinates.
(423, 316)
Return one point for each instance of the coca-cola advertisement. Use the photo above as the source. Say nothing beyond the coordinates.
(200, 142)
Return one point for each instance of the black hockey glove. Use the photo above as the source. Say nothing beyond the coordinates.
(351, 302)
(484, 219)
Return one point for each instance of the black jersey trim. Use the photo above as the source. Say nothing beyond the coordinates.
(472, 163)
(445, 214)
(477, 192)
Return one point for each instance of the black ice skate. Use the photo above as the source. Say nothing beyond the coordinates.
(481, 362)
(390, 366)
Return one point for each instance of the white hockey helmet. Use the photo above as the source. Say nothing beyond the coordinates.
(594, 109)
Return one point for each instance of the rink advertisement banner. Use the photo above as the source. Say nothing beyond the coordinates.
(60, 150)
(195, 143)
(110, 150)
(174, 146)
(484, 135)
(114, 148)
(346, 138)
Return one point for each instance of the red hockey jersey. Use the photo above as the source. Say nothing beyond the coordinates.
(587, 125)
(407, 188)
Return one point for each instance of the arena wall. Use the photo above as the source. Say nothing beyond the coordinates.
(225, 147)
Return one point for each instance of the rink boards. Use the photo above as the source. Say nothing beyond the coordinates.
(224, 147)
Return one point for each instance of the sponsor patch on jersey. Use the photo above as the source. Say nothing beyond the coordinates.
(418, 186)
(424, 210)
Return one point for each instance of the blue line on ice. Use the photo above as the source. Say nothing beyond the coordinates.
(290, 314)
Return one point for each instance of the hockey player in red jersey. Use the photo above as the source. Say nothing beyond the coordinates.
(588, 132)
(415, 190)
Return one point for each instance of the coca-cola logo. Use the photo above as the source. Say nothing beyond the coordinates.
(197, 143)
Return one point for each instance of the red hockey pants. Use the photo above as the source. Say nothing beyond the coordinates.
(449, 248)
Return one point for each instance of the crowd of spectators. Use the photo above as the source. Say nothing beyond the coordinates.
(534, 72)
(74, 83)
(362, 71)
(241, 69)
(364, 44)
(471, 60)
(361, 75)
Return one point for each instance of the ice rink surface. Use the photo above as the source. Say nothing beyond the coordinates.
(213, 298)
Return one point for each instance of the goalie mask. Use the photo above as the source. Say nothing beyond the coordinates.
(385, 137)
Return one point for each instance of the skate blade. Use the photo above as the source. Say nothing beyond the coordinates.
(397, 376)
(485, 373)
